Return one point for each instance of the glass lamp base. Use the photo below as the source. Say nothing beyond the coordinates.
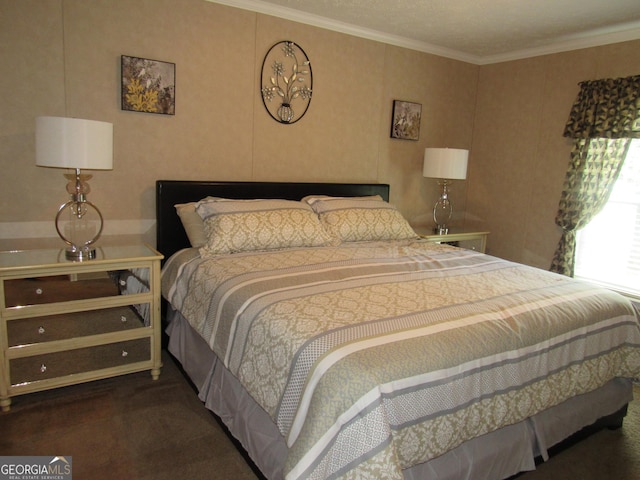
(442, 210)
(79, 254)
(79, 224)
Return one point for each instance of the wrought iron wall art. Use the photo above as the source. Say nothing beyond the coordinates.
(286, 82)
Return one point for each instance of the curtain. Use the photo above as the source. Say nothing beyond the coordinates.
(602, 122)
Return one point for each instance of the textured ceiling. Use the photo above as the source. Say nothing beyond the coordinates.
(478, 31)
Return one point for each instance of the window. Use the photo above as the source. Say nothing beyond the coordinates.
(608, 249)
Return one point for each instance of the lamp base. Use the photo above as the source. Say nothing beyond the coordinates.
(79, 222)
(79, 254)
(442, 210)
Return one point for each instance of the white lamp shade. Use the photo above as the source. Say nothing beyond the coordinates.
(446, 163)
(74, 143)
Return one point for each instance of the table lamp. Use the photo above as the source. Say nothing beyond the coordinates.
(445, 164)
(80, 145)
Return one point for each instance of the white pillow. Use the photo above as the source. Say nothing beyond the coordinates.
(192, 222)
(311, 199)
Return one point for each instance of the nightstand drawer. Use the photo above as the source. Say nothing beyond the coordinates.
(61, 288)
(470, 240)
(60, 364)
(27, 331)
(476, 244)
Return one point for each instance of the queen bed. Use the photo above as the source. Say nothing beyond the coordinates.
(333, 342)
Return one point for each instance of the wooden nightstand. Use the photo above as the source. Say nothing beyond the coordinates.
(465, 239)
(64, 322)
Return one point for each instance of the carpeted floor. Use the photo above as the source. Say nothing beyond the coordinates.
(608, 454)
(128, 427)
(131, 427)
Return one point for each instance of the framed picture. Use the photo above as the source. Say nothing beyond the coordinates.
(148, 85)
(405, 122)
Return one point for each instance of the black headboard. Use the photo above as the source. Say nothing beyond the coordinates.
(170, 235)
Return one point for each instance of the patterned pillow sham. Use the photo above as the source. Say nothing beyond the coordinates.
(360, 219)
(233, 226)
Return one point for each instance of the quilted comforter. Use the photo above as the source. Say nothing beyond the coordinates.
(373, 357)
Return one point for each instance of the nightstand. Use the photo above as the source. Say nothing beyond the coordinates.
(64, 322)
(465, 239)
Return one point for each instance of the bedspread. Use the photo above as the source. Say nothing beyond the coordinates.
(373, 357)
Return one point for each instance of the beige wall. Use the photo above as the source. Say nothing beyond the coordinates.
(519, 156)
(62, 57)
(63, 60)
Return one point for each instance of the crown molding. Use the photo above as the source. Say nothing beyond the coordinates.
(594, 38)
(347, 28)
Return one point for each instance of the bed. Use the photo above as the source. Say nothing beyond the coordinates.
(358, 350)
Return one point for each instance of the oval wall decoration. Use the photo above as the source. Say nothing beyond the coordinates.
(286, 83)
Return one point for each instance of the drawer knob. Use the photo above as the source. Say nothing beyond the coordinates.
(123, 319)
(39, 291)
(43, 368)
(41, 330)
(125, 353)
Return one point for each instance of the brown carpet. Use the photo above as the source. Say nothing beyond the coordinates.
(131, 427)
(608, 454)
(128, 427)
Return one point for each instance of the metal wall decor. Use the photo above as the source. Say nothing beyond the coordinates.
(286, 82)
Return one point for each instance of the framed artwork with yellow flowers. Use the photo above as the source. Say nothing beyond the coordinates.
(148, 85)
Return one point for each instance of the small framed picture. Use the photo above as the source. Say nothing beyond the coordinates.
(148, 85)
(405, 122)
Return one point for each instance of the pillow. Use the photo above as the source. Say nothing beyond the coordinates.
(233, 226)
(360, 219)
(192, 222)
(311, 199)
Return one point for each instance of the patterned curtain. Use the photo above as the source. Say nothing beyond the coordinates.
(603, 120)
